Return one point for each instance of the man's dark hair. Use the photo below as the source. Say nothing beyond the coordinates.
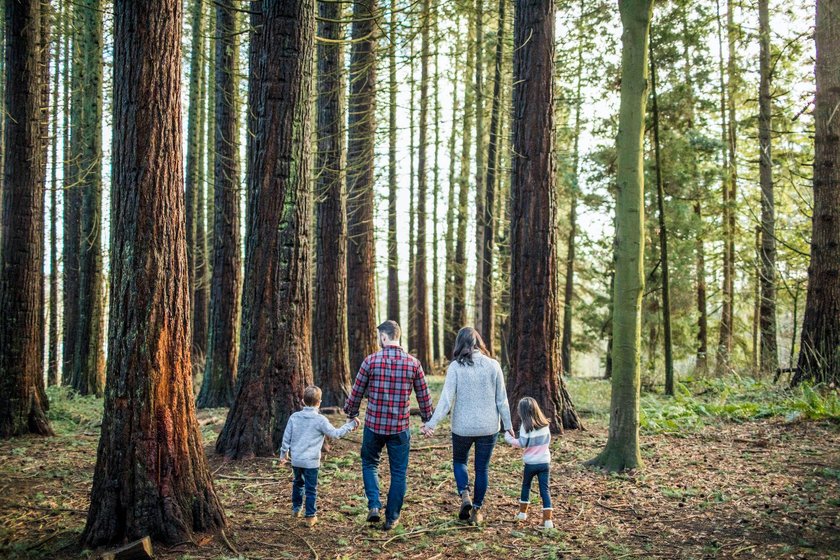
(391, 328)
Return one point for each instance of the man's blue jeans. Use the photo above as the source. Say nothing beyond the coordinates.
(398, 446)
(306, 481)
(460, 455)
(541, 471)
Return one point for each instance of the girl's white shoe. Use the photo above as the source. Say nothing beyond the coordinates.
(548, 524)
(521, 516)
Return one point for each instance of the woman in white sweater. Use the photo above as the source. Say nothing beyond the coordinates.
(474, 391)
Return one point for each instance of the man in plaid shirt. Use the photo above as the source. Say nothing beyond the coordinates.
(387, 377)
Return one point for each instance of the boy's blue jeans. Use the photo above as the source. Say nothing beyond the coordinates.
(541, 471)
(306, 482)
(398, 446)
(460, 455)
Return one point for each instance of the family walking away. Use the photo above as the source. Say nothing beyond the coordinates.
(473, 393)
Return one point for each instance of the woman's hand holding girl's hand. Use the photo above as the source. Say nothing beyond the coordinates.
(426, 431)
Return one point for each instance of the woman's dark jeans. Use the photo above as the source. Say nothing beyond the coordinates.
(460, 454)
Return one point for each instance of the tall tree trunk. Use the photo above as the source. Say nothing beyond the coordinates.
(254, 49)
(2, 100)
(663, 238)
(767, 313)
(393, 310)
(459, 292)
(756, 340)
(226, 279)
(195, 128)
(819, 354)
(22, 405)
(701, 356)
(412, 205)
(275, 363)
(622, 448)
(449, 328)
(361, 130)
(206, 167)
(569, 288)
(535, 358)
(480, 213)
(330, 358)
(421, 342)
(151, 475)
(86, 154)
(488, 299)
(71, 230)
(52, 344)
(436, 316)
(727, 108)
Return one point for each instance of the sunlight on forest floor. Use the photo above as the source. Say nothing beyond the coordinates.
(733, 470)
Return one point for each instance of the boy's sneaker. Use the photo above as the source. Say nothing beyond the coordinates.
(311, 520)
(373, 515)
(295, 512)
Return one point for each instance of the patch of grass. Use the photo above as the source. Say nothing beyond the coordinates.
(699, 402)
(70, 413)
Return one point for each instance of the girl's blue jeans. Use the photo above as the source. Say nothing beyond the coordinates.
(542, 472)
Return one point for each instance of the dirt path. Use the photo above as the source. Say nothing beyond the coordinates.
(760, 489)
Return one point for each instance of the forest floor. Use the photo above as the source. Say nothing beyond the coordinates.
(730, 481)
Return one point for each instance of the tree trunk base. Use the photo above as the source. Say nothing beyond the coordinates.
(613, 459)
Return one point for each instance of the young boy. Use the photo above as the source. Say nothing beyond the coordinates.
(303, 439)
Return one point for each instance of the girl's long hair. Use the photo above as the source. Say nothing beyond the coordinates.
(531, 416)
(467, 342)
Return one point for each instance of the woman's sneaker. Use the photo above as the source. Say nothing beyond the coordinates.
(466, 506)
(523, 511)
(477, 517)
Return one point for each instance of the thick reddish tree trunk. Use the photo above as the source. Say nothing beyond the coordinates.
(151, 474)
(226, 278)
(22, 405)
(275, 361)
(535, 359)
(330, 358)
(819, 356)
(361, 131)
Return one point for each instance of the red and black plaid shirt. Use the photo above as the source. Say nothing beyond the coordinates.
(388, 376)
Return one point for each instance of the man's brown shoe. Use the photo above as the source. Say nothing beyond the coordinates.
(477, 517)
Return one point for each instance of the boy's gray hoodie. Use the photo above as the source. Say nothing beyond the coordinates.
(304, 437)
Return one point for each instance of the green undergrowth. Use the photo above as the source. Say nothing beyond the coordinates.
(71, 413)
(699, 402)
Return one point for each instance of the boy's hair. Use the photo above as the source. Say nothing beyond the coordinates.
(531, 416)
(391, 329)
(311, 395)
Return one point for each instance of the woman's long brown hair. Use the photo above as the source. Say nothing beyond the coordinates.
(467, 342)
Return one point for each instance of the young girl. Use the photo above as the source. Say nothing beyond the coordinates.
(534, 438)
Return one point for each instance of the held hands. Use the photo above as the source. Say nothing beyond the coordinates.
(356, 423)
(426, 431)
(284, 460)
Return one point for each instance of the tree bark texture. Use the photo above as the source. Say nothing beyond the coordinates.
(449, 328)
(22, 405)
(393, 309)
(535, 358)
(769, 355)
(488, 299)
(226, 278)
(330, 353)
(421, 340)
(361, 130)
(819, 354)
(622, 448)
(275, 362)
(86, 156)
(151, 476)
